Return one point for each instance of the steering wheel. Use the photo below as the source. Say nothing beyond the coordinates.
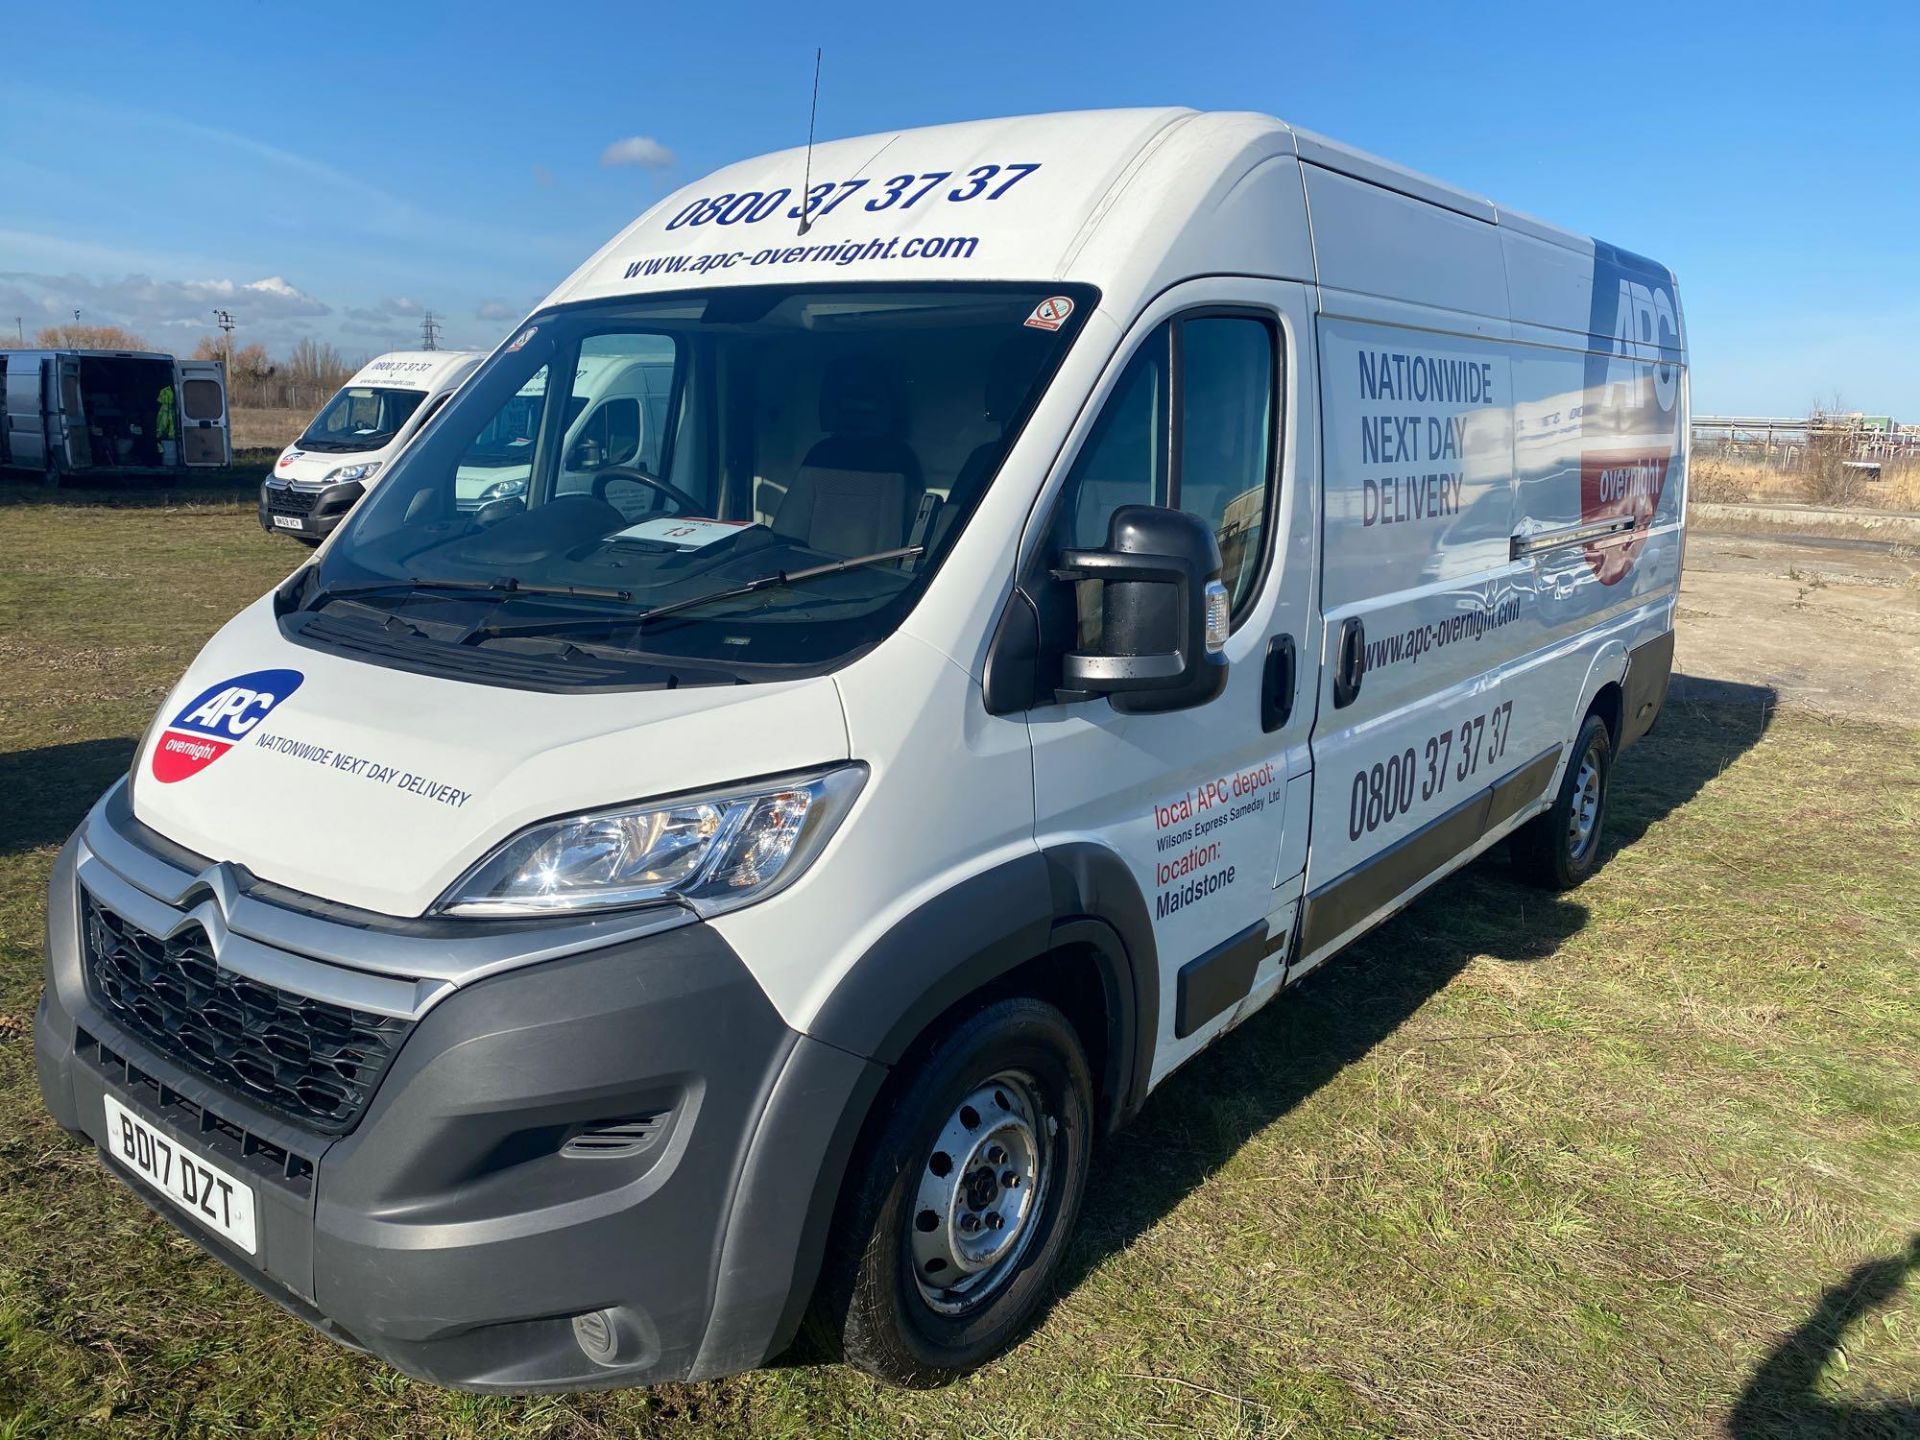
(683, 503)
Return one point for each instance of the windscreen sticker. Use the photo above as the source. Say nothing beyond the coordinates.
(522, 338)
(1050, 314)
(217, 719)
(683, 532)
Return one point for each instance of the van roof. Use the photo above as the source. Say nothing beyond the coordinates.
(1087, 195)
(42, 352)
(416, 369)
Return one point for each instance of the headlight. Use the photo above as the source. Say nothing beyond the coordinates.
(714, 852)
(344, 473)
(503, 490)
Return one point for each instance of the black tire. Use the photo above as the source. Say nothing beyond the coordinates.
(871, 1304)
(1552, 850)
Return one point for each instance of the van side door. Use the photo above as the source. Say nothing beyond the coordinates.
(27, 406)
(67, 430)
(205, 439)
(1197, 410)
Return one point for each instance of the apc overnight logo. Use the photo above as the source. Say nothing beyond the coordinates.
(217, 719)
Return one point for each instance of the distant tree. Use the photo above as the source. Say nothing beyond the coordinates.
(247, 375)
(1828, 475)
(89, 337)
(252, 360)
(316, 359)
(312, 373)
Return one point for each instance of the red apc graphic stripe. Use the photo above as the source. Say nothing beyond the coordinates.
(179, 754)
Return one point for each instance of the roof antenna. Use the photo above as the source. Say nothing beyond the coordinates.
(806, 182)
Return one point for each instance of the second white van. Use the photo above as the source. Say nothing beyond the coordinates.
(740, 867)
(614, 420)
(319, 477)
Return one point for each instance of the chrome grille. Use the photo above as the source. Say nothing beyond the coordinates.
(310, 1061)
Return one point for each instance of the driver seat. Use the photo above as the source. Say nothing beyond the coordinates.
(859, 486)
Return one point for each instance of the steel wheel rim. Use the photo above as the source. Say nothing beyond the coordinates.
(983, 1185)
(1583, 820)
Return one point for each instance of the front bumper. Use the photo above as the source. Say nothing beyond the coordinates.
(454, 1231)
(309, 514)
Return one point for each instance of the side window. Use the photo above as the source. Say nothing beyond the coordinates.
(1126, 458)
(609, 437)
(1226, 431)
(622, 439)
(433, 408)
(1191, 424)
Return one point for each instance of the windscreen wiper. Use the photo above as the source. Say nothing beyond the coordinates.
(489, 628)
(503, 586)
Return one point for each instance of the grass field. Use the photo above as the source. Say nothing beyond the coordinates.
(1639, 1161)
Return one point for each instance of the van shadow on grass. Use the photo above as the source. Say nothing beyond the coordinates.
(1205, 1114)
(49, 790)
(226, 486)
(1780, 1402)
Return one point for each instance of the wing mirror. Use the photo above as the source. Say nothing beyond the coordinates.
(1159, 613)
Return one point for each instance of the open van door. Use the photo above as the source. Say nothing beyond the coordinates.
(205, 439)
(27, 412)
(67, 431)
(6, 416)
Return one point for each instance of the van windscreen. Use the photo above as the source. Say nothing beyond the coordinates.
(745, 479)
(360, 417)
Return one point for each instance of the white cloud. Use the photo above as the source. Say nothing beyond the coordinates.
(142, 303)
(273, 285)
(497, 310)
(641, 150)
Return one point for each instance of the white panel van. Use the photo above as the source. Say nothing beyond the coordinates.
(737, 862)
(614, 419)
(317, 479)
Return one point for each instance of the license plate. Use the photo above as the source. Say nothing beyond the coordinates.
(289, 522)
(215, 1197)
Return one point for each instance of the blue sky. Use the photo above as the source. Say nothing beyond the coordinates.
(332, 171)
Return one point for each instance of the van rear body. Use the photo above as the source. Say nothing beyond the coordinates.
(98, 413)
(669, 869)
(317, 479)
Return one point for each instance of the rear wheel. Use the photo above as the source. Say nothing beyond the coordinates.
(1560, 848)
(963, 1201)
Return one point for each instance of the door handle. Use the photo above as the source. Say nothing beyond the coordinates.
(1276, 686)
(1350, 664)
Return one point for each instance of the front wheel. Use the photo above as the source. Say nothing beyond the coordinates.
(1560, 848)
(962, 1203)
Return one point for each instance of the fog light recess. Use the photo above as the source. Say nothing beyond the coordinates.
(614, 1338)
